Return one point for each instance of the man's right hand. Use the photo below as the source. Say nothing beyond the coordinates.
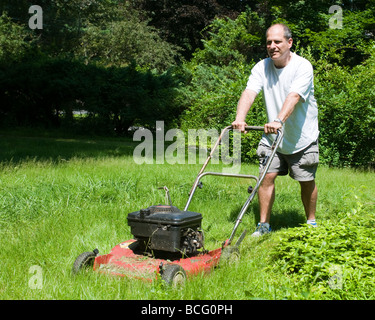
(240, 125)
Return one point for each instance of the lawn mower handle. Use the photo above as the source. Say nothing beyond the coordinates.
(257, 128)
(276, 143)
(262, 174)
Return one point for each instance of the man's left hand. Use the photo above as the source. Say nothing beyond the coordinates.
(272, 127)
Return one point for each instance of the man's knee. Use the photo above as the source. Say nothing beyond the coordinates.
(308, 185)
(269, 179)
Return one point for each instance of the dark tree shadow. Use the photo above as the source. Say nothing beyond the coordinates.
(20, 148)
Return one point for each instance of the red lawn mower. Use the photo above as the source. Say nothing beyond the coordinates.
(168, 242)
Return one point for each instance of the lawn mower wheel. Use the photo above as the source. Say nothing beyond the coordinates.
(174, 275)
(84, 260)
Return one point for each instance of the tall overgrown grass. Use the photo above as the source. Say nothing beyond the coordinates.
(73, 195)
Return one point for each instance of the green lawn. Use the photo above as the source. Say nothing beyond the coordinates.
(60, 197)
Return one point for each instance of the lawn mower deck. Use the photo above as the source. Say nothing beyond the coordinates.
(125, 260)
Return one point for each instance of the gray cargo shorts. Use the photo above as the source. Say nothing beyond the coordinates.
(301, 166)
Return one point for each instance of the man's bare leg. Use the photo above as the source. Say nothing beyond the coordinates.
(266, 195)
(309, 195)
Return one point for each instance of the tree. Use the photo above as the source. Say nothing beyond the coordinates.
(182, 22)
(124, 40)
(310, 25)
(14, 40)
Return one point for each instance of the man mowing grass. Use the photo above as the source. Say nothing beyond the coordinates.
(287, 82)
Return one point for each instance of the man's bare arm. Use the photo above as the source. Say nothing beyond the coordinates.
(244, 104)
(286, 110)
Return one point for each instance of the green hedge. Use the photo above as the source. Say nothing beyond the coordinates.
(45, 91)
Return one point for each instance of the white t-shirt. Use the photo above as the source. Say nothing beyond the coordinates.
(301, 128)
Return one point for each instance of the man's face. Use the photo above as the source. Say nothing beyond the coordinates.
(278, 47)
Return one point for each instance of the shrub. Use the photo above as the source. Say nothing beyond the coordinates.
(334, 260)
(346, 113)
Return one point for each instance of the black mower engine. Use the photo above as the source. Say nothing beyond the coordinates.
(167, 228)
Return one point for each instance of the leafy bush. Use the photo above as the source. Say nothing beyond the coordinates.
(346, 112)
(13, 39)
(334, 260)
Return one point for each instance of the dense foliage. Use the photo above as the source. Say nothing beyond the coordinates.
(336, 259)
(47, 91)
(129, 63)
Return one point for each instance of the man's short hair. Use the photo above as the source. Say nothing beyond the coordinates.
(287, 32)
